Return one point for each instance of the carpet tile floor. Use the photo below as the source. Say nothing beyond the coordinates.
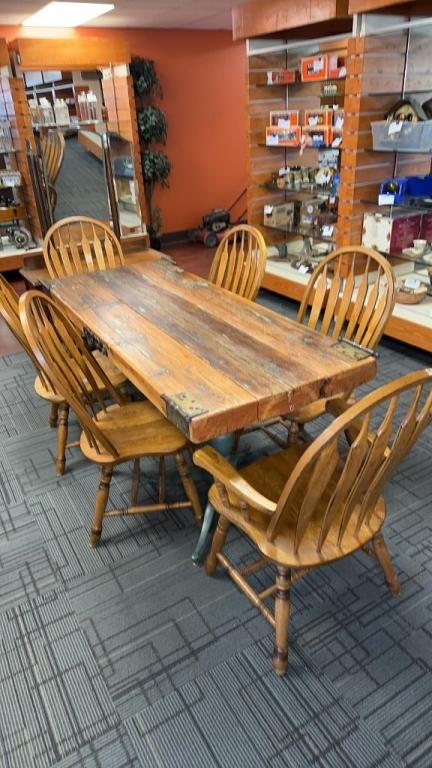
(129, 656)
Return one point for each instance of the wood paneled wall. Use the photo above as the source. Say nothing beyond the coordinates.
(374, 84)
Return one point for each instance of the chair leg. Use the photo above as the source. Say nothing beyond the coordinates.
(135, 482)
(62, 433)
(219, 537)
(282, 615)
(383, 556)
(189, 488)
(100, 504)
(293, 433)
(53, 419)
(161, 479)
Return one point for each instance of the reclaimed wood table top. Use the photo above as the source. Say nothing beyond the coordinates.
(211, 361)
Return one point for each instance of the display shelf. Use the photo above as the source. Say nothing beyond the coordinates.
(306, 190)
(303, 232)
(299, 148)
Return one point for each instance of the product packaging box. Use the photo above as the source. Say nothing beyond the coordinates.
(390, 234)
(282, 76)
(317, 118)
(314, 68)
(283, 137)
(279, 216)
(284, 118)
(316, 137)
(336, 66)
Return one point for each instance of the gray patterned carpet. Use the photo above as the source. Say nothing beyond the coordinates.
(129, 656)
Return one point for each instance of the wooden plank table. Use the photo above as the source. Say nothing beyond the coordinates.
(211, 361)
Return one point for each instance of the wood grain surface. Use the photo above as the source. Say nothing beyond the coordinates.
(212, 361)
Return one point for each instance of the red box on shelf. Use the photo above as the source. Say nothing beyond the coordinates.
(314, 68)
(282, 76)
(336, 66)
(283, 137)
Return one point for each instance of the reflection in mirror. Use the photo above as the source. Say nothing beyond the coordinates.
(125, 185)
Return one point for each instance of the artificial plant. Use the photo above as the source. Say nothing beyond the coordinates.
(152, 127)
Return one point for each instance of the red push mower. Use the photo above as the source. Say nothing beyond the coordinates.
(215, 223)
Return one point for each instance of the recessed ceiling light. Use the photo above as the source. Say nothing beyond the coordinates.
(59, 14)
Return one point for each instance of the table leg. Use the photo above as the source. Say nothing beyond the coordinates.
(225, 445)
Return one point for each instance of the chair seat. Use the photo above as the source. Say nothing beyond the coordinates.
(269, 475)
(134, 429)
(46, 392)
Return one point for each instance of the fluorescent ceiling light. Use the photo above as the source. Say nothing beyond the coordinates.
(59, 14)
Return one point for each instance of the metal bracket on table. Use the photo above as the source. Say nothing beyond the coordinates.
(93, 342)
(352, 350)
(181, 409)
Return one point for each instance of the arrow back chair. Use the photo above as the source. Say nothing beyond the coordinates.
(312, 504)
(355, 306)
(59, 415)
(111, 433)
(81, 244)
(239, 261)
(53, 147)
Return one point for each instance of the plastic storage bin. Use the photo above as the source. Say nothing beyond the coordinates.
(412, 137)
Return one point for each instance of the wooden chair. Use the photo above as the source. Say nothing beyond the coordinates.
(239, 261)
(59, 415)
(355, 307)
(80, 244)
(53, 147)
(112, 433)
(310, 505)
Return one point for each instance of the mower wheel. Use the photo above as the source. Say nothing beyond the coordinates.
(210, 239)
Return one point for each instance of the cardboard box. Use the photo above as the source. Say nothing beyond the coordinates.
(279, 216)
(317, 118)
(283, 137)
(390, 234)
(335, 137)
(282, 76)
(426, 226)
(284, 118)
(336, 66)
(314, 68)
(316, 137)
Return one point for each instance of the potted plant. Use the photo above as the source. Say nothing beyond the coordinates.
(152, 128)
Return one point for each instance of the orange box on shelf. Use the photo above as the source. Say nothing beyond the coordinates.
(316, 118)
(283, 137)
(316, 137)
(282, 76)
(284, 118)
(314, 68)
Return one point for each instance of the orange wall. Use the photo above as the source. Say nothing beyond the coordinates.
(203, 78)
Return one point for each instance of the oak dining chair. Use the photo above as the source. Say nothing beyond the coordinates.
(44, 387)
(239, 262)
(80, 244)
(113, 431)
(53, 147)
(310, 505)
(350, 295)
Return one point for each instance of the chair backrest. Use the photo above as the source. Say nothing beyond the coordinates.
(53, 146)
(239, 261)
(63, 356)
(9, 301)
(329, 487)
(356, 306)
(81, 244)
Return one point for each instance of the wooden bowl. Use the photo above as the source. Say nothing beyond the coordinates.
(412, 296)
